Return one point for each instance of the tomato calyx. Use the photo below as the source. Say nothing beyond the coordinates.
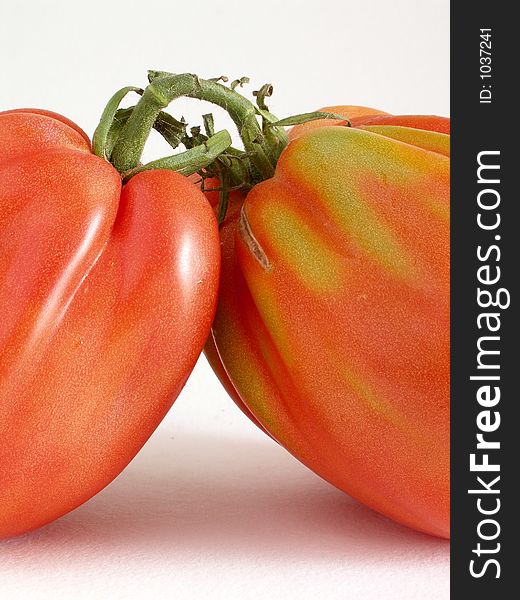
(114, 123)
(122, 132)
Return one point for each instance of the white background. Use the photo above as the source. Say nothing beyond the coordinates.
(211, 508)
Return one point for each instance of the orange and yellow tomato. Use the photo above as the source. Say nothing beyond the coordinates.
(332, 329)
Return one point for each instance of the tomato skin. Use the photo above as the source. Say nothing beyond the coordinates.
(107, 298)
(52, 115)
(355, 114)
(333, 317)
(230, 293)
(361, 115)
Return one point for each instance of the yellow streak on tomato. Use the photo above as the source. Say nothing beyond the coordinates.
(350, 112)
(245, 372)
(430, 199)
(377, 406)
(247, 377)
(275, 324)
(427, 140)
(306, 252)
(331, 163)
(366, 394)
(366, 229)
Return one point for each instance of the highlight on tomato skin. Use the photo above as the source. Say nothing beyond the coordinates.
(333, 316)
(107, 295)
(51, 115)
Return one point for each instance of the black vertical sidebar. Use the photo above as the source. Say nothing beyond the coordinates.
(485, 337)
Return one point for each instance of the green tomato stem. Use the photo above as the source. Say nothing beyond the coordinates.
(102, 133)
(163, 89)
(190, 161)
(306, 117)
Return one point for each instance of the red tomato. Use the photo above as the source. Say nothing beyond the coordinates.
(332, 328)
(106, 298)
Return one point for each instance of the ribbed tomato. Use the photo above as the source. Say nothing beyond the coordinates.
(106, 298)
(333, 321)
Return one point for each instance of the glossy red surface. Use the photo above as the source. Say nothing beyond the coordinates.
(106, 299)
